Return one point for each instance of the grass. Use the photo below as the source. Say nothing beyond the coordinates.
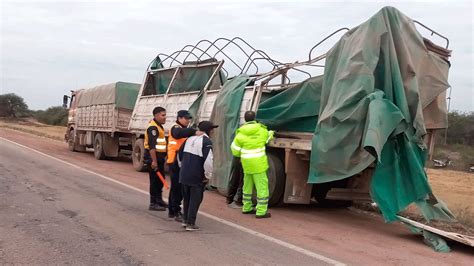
(29, 125)
(456, 189)
(466, 216)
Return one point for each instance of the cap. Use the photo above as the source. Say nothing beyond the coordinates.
(206, 126)
(184, 113)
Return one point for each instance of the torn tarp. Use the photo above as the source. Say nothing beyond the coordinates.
(378, 81)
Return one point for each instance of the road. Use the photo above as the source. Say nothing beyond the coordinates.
(58, 207)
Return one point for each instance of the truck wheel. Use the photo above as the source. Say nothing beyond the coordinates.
(276, 179)
(99, 147)
(137, 156)
(70, 141)
(72, 144)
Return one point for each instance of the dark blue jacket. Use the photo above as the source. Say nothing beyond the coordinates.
(195, 159)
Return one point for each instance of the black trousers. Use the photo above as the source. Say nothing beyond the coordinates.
(192, 198)
(235, 182)
(176, 195)
(156, 186)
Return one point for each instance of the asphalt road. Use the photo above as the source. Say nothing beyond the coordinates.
(68, 208)
(52, 213)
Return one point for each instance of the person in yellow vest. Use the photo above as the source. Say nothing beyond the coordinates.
(249, 145)
(155, 155)
(178, 134)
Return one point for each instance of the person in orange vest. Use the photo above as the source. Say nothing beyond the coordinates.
(155, 155)
(178, 134)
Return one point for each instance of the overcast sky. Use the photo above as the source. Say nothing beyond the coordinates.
(51, 47)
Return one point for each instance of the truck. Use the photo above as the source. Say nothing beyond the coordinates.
(98, 118)
(359, 130)
(175, 82)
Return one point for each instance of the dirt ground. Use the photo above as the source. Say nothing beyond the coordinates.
(455, 188)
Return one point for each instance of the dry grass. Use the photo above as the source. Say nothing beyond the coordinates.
(35, 128)
(456, 189)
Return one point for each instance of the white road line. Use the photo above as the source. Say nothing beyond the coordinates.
(231, 224)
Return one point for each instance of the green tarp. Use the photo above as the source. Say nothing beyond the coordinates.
(123, 94)
(188, 79)
(156, 64)
(226, 114)
(376, 83)
(295, 109)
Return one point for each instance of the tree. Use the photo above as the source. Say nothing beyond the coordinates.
(461, 128)
(12, 105)
(55, 115)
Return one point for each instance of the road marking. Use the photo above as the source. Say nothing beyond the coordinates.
(210, 216)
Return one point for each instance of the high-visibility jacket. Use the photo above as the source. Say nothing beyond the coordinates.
(249, 144)
(174, 145)
(157, 132)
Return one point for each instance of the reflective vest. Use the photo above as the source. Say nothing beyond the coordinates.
(249, 144)
(160, 140)
(173, 146)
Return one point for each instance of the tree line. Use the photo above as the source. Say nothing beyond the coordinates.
(14, 106)
(461, 128)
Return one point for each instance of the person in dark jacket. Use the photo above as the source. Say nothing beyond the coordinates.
(179, 132)
(235, 185)
(195, 159)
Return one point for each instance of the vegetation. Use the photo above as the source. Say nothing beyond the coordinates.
(461, 128)
(12, 105)
(55, 115)
(458, 145)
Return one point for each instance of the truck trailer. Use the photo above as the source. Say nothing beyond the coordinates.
(300, 111)
(98, 118)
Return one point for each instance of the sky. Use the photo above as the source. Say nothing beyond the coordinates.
(51, 47)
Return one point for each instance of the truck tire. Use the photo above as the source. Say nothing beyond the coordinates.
(72, 143)
(276, 179)
(99, 147)
(137, 156)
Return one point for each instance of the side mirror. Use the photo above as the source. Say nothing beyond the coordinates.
(65, 97)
